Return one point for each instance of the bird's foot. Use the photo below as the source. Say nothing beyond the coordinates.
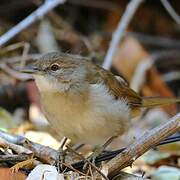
(61, 156)
(96, 152)
(61, 160)
(92, 158)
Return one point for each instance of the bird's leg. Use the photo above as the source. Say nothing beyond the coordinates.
(98, 150)
(62, 154)
(76, 147)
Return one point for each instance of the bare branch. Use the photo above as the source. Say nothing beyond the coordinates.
(18, 149)
(86, 160)
(38, 14)
(15, 74)
(14, 157)
(17, 59)
(171, 76)
(139, 76)
(119, 32)
(44, 153)
(171, 11)
(143, 144)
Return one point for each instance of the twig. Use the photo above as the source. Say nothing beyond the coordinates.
(18, 149)
(63, 142)
(24, 54)
(119, 32)
(38, 14)
(171, 76)
(70, 167)
(44, 153)
(13, 47)
(15, 74)
(48, 155)
(11, 138)
(14, 157)
(139, 76)
(141, 145)
(155, 40)
(112, 154)
(4, 62)
(16, 59)
(85, 159)
(171, 11)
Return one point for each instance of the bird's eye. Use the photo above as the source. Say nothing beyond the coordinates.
(55, 67)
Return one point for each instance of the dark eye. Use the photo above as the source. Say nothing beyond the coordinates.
(55, 67)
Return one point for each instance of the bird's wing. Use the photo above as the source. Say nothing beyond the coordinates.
(117, 86)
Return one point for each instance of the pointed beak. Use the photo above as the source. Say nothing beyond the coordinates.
(31, 69)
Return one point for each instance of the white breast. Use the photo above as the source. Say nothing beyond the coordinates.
(87, 118)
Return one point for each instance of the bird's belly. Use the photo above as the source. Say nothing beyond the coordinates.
(91, 121)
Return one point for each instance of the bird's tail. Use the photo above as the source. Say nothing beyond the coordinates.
(158, 101)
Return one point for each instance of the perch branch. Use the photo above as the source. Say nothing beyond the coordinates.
(119, 32)
(38, 14)
(143, 144)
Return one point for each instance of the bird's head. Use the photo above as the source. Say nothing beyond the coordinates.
(58, 71)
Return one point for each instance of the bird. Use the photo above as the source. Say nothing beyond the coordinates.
(84, 102)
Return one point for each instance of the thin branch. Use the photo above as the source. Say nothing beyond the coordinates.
(70, 167)
(15, 74)
(112, 154)
(38, 14)
(139, 76)
(119, 32)
(14, 157)
(17, 148)
(156, 40)
(86, 160)
(171, 11)
(17, 59)
(171, 76)
(50, 156)
(143, 144)
(44, 153)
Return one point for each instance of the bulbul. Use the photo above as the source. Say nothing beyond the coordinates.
(84, 102)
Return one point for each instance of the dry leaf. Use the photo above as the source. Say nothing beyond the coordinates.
(45, 172)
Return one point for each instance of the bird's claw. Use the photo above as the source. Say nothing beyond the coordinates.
(60, 160)
(92, 158)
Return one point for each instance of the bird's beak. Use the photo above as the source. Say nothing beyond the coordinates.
(31, 69)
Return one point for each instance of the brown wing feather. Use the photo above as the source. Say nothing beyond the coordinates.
(119, 89)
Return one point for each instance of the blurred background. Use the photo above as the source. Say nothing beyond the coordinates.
(148, 57)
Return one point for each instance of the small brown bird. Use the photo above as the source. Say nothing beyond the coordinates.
(83, 101)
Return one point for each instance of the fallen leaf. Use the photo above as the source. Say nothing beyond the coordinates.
(45, 172)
